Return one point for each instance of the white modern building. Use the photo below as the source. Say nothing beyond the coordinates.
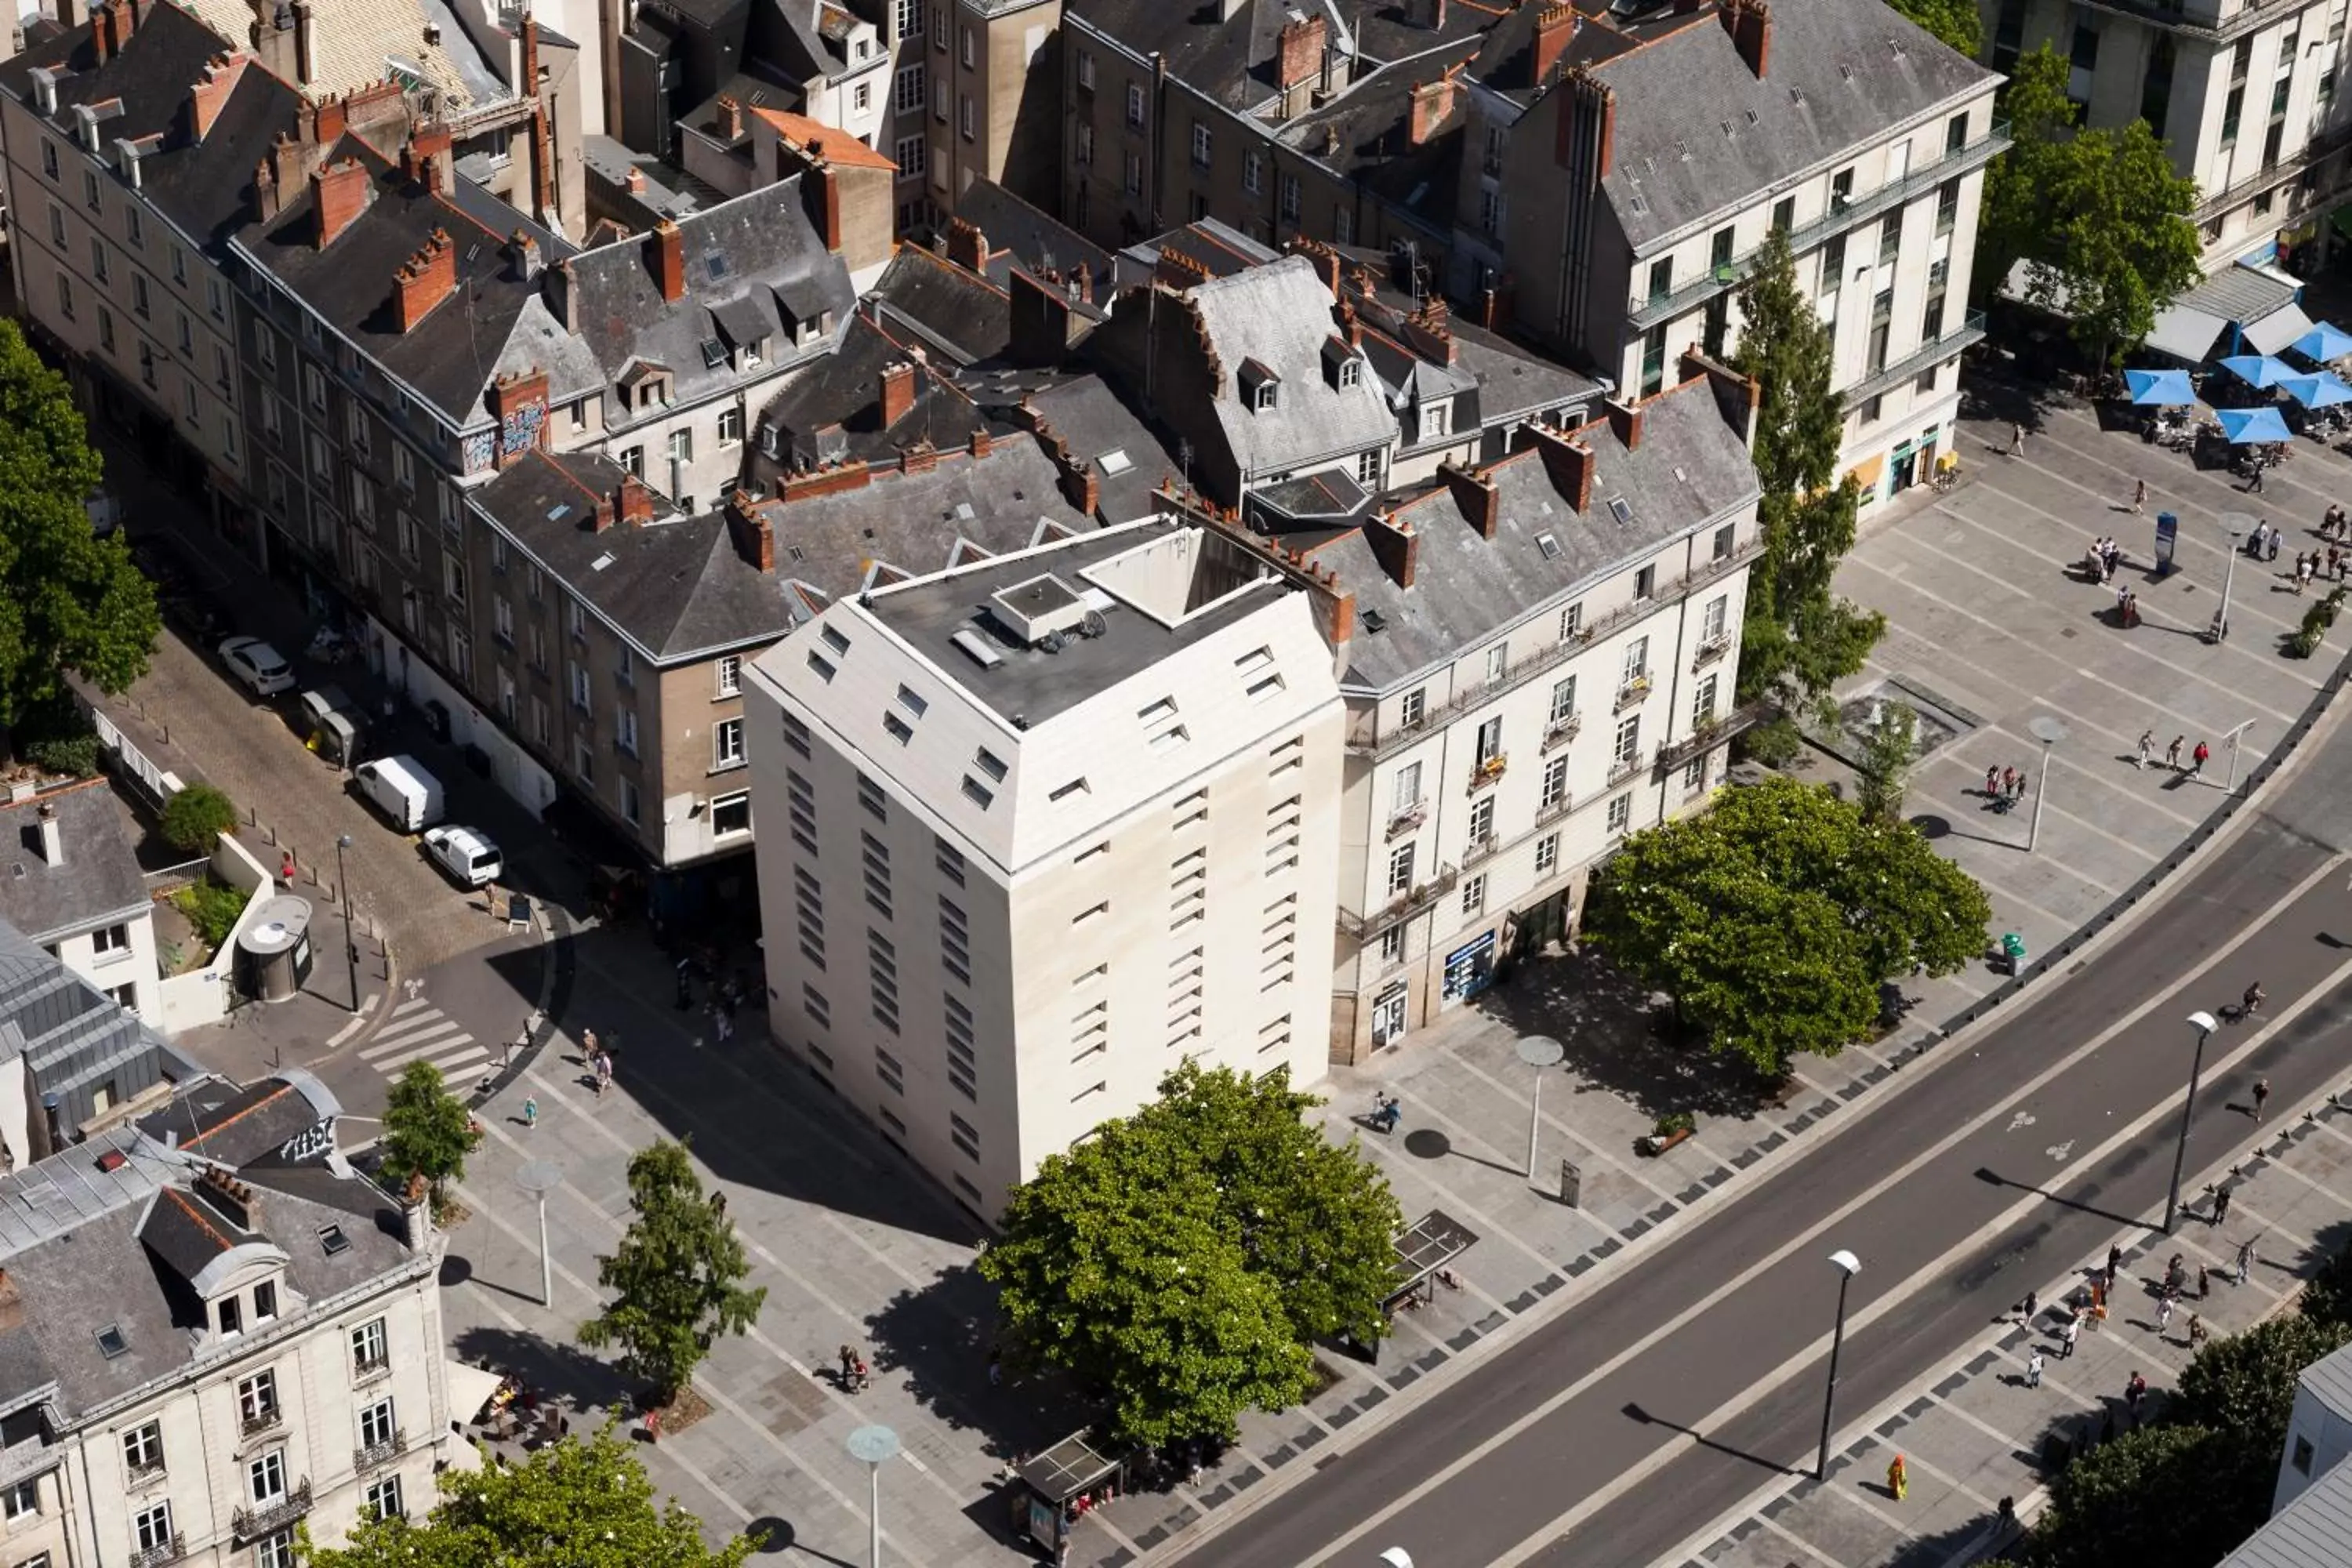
(1038, 828)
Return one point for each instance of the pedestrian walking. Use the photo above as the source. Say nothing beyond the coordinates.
(719, 1206)
(722, 1025)
(2172, 753)
(2114, 1266)
(530, 1112)
(2017, 440)
(588, 1046)
(2204, 1282)
(2196, 758)
(2197, 1332)
(2254, 486)
(2031, 1307)
(2270, 543)
(2066, 1340)
(995, 1368)
(2250, 1005)
(2146, 746)
(2262, 1093)
(2008, 782)
(1993, 781)
(2163, 1314)
(2033, 1370)
(2245, 1260)
(2221, 1204)
(2135, 1396)
(2140, 495)
(848, 1365)
(1898, 1478)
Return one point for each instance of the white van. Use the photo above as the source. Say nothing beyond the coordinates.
(402, 790)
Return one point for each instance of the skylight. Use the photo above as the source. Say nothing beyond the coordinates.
(332, 1240)
(111, 1342)
(1622, 509)
(1549, 545)
(716, 265)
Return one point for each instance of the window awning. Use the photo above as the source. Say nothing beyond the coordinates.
(1866, 473)
(2277, 330)
(2186, 333)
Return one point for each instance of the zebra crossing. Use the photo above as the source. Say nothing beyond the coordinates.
(419, 1032)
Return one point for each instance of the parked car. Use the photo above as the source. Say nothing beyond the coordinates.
(257, 664)
(466, 853)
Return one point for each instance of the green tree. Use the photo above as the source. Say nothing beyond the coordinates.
(1773, 919)
(1184, 1259)
(71, 602)
(1886, 758)
(2015, 219)
(2243, 1389)
(2139, 1500)
(428, 1130)
(1955, 22)
(584, 1502)
(195, 817)
(1798, 637)
(678, 1276)
(2328, 1298)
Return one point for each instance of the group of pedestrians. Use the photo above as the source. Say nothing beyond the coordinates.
(2310, 568)
(597, 1056)
(2197, 758)
(2104, 557)
(2004, 786)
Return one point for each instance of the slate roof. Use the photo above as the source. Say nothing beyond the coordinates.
(954, 312)
(71, 1037)
(913, 521)
(1505, 61)
(756, 252)
(1107, 434)
(676, 587)
(1841, 74)
(1233, 61)
(1690, 469)
(1280, 315)
(1364, 135)
(1019, 233)
(237, 1126)
(831, 410)
(2315, 1531)
(98, 881)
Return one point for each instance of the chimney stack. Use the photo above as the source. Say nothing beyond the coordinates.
(1749, 22)
(416, 1214)
(634, 181)
(1569, 463)
(1433, 106)
(1477, 496)
(1300, 49)
(967, 247)
(632, 502)
(1555, 30)
(424, 157)
(563, 296)
(212, 89)
(338, 193)
(669, 261)
(898, 393)
(110, 28)
(1624, 423)
(523, 251)
(751, 525)
(53, 836)
(1395, 546)
(424, 280)
(730, 120)
(305, 60)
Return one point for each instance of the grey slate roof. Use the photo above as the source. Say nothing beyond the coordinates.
(2315, 1531)
(831, 410)
(1233, 61)
(1110, 438)
(677, 585)
(1466, 588)
(2329, 1381)
(1280, 315)
(1018, 234)
(98, 881)
(73, 1039)
(1841, 74)
(954, 312)
(239, 1126)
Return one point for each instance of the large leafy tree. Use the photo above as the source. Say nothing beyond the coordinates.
(2141, 1499)
(1886, 769)
(1773, 919)
(1955, 22)
(69, 601)
(428, 1130)
(584, 1502)
(678, 1275)
(2104, 226)
(2243, 1388)
(1799, 637)
(1183, 1259)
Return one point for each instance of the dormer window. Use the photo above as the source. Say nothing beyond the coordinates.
(1261, 388)
(1351, 372)
(1265, 395)
(265, 1301)
(754, 351)
(231, 1313)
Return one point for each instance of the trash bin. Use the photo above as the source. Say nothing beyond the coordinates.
(2012, 948)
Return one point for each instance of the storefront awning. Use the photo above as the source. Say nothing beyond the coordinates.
(1866, 473)
(2277, 330)
(470, 1388)
(2186, 333)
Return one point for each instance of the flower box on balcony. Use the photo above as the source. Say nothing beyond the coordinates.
(1487, 773)
(1408, 819)
(1632, 691)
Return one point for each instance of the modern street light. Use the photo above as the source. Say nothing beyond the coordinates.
(2203, 1023)
(874, 1444)
(1542, 1053)
(537, 1178)
(2049, 731)
(1847, 1266)
(2240, 525)
(350, 947)
(2232, 739)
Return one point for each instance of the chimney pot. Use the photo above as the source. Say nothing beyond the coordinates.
(634, 502)
(1555, 30)
(338, 193)
(53, 839)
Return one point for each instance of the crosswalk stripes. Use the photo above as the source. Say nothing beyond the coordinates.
(419, 1032)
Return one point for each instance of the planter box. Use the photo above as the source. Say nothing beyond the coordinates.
(1657, 1143)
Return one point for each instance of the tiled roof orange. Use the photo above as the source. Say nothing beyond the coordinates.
(829, 142)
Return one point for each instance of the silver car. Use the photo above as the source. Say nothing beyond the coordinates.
(257, 664)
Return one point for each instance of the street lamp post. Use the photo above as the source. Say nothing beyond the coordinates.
(2235, 740)
(2204, 1025)
(350, 947)
(2049, 731)
(1847, 1266)
(1542, 1053)
(874, 1444)
(2236, 523)
(537, 1178)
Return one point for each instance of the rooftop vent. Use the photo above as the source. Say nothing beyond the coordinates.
(1375, 622)
(1036, 609)
(976, 649)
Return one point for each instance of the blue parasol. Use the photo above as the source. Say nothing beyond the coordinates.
(2246, 426)
(2160, 388)
(2317, 390)
(2257, 369)
(2325, 341)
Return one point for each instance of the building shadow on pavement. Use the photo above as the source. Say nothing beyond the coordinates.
(1620, 1040)
(936, 1344)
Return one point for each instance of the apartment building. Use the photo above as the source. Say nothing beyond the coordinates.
(73, 886)
(1541, 662)
(1669, 140)
(215, 1332)
(1040, 827)
(972, 98)
(826, 62)
(732, 150)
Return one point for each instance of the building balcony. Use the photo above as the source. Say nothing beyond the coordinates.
(1561, 732)
(163, 1552)
(1925, 357)
(1484, 774)
(1842, 217)
(1403, 907)
(1553, 810)
(255, 1423)
(1620, 769)
(2204, 26)
(1710, 650)
(1478, 849)
(2318, 150)
(374, 1454)
(1411, 817)
(1715, 733)
(247, 1524)
(1632, 693)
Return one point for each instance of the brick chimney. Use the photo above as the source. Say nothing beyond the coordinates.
(522, 250)
(212, 89)
(1477, 496)
(1300, 49)
(751, 526)
(1433, 106)
(667, 254)
(53, 836)
(730, 122)
(338, 193)
(1395, 546)
(1555, 30)
(1749, 22)
(632, 502)
(110, 27)
(1428, 332)
(897, 392)
(510, 398)
(1325, 259)
(1570, 463)
(967, 246)
(424, 157)
(1624, 423)
(634, 182)
(563, 294)
(424, 281)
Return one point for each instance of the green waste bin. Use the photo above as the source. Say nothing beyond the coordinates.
(2012, 948)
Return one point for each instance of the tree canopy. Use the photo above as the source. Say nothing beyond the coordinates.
(1798, 637)
(428, 1130)
(1885, 768)
(1955, 22)
(1184, 1259)
(677, 1275)
(1773, 919)
(195, 817)
(2106, 228)
(2143, 1499)
(584, 1502)
(69, 601)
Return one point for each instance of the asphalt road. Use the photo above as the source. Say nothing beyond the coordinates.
(1609, 1435)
